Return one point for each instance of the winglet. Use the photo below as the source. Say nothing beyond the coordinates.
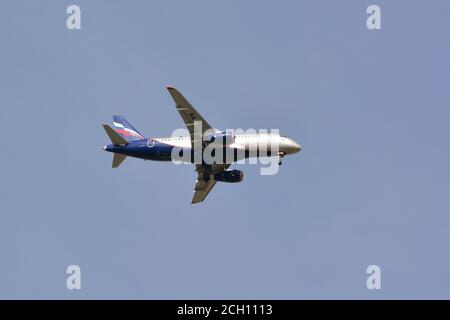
(114, 136)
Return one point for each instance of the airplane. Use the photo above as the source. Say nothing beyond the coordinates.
(128, 141)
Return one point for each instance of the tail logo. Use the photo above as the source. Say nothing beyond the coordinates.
(126, 131)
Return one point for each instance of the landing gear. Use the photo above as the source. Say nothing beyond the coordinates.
(280, 157)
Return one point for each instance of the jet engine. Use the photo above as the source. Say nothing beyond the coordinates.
(231, 176)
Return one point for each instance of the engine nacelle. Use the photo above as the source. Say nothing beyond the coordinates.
(231, 176)
(221, 137)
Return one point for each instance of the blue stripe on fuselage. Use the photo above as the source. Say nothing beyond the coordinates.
(140, 149)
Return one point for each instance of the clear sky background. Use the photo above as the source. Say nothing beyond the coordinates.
(371, 185)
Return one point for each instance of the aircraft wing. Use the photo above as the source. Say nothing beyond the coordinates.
(202, 186)
(191, 118)
(189, 115)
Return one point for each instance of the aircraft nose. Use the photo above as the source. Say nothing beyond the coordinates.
(293, 146)
(104, 147)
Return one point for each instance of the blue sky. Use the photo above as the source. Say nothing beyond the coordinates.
(370, 186)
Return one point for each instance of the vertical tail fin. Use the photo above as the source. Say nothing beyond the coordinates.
(125, 129)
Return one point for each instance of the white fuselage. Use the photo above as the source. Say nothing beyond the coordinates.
(247, 142)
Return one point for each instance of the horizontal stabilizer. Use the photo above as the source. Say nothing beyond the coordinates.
(114, 136)
(118, 159)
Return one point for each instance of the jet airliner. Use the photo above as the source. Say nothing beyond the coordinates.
(127, 141)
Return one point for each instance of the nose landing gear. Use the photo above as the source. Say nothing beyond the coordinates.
(280, 157)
